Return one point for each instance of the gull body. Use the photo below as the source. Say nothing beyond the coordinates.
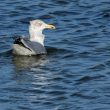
(33, 45)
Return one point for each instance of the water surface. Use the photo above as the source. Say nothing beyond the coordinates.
(74, 75)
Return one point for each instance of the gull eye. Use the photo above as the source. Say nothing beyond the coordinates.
(38, 24)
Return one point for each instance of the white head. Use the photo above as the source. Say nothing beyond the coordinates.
(35, 30)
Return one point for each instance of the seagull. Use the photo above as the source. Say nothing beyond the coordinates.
(34, 44)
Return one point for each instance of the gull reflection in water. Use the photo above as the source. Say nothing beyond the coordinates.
(23, 62)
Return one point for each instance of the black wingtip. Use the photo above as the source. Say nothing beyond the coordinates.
(17, 40)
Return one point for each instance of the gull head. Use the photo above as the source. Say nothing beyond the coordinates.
(35, 30)
(40, 25)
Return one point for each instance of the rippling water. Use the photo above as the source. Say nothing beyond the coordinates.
(74, 75)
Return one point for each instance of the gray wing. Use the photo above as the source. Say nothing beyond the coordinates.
(34, 46)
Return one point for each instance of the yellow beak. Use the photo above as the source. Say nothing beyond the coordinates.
(49, 26)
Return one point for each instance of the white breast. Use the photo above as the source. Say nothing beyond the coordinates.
(36, 35)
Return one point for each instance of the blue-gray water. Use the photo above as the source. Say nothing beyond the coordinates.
(75, 74)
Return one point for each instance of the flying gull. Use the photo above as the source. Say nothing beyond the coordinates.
(33, 45)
